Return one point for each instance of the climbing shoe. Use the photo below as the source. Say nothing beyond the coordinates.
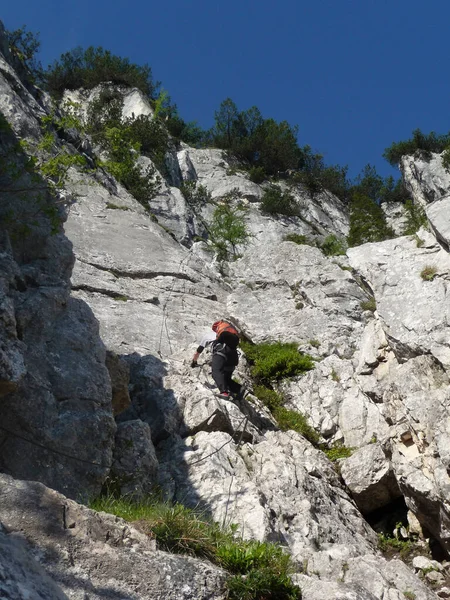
(224, 395)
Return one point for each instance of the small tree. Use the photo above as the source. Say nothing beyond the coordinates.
(228, 230)
(367, 222)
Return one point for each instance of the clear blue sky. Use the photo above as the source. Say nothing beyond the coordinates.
(354, 75)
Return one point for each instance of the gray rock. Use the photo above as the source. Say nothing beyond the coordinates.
(21, 576)
(369, 477)
(95, 554)
(135, 466)
(425, 177)
(412, 310)
(423, 563)
(120, 378)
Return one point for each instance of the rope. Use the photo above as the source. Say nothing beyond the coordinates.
(39, 445)
(220, 448)
(164, 316)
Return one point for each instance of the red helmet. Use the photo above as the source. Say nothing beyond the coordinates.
(215, 325)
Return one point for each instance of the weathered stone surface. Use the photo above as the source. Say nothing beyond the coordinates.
(413, 311)
(120, 378)
(293, 293)
(437, 214)
(55, 360)
(396, 216)
(369, 477)
(135, 466)
(425, 178)
(21, 576)
(97, 555)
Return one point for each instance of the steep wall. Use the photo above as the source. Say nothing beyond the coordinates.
(56, 421)
(379, 384)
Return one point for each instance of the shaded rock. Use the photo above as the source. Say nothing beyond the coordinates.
(151, 401)
(368, 475)
(437, 214)
(119, 373)
(21, 576)
(135, 466)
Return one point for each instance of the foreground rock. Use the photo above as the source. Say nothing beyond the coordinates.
(72, 552)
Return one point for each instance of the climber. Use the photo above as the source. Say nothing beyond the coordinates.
(224, 340)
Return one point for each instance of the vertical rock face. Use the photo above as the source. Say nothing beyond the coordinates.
(56, 423)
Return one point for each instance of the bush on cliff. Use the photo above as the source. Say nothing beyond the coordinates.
(427, 143)
(80, 68)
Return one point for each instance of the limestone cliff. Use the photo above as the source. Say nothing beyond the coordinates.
(87, 269)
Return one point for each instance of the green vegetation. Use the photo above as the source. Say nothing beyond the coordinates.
(228, 230)
(333, 246)
(276, 360)
(335, 376)
(297, 238)
(195, 193)
(87, 68)
(259, 570)
(367, 222)
(277, 202)
(25, 45)
(387, 543)
(257, 174)
(314, 343)
(428, 273)
(338, 451)
(415, 218)
(123, 140)
(286, 419)
(369, 304)
(419, 141)
(409, 595)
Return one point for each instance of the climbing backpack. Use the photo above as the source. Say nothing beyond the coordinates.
(221, 326)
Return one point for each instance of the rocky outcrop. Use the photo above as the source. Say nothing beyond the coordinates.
(56, 422)
(72, 552)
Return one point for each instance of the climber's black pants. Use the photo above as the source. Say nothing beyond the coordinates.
(224, 361)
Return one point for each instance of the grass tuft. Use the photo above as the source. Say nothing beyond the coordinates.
(260, 570)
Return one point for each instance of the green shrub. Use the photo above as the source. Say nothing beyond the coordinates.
(428, 273)
(261, 570)
(25, 45)
(420, 141)
(367, 222)
(297, 238)
(293, 420)
(277, 202)
(287, 419)
(276, 360)
(333, 246)
(416, 218)
(369, 304)
(88, 68)
(152, 137)
(196, 194)
(257, 174)
(122, 164)
(338, 451)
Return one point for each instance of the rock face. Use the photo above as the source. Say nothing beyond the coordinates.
(52, 363)
(129, 276)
